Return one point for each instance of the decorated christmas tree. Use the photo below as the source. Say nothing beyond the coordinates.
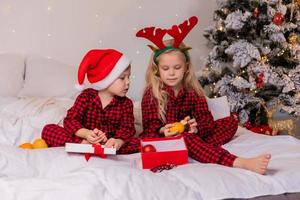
(255, 57)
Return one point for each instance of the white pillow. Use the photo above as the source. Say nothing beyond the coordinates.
(219, 107)
(47, 77)
(11, 74)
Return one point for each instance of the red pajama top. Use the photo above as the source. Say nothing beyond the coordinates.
(187, 103)
(116, 119)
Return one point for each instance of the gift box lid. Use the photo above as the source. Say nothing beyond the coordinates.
(87, 148)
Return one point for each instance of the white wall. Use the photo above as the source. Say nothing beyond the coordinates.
(65, 29)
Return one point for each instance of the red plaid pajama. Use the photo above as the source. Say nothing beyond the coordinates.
(205, 146)
(116, 119)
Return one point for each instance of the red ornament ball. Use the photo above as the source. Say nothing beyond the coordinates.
(149, 148)
(255, 12)
(278, 18)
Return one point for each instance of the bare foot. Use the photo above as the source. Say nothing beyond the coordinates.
(257, 164)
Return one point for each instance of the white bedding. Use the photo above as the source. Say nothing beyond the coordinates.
(22, 120)
(54, 174)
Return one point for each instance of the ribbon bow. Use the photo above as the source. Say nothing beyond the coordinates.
(98, 150)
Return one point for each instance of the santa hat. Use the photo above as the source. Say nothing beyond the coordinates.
(102, 67)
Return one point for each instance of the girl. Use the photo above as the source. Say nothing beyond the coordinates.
(101, 115)
(173, 93)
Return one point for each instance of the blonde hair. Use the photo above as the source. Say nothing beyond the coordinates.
(154, 82)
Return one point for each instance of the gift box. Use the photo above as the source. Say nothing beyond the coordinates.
(167, 151)
(89, 150)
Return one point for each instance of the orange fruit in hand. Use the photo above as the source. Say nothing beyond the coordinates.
(39, 144)
(26, 145)
(177, 127)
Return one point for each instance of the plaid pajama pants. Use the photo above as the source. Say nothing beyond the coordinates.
(56, 136)
(205, 150)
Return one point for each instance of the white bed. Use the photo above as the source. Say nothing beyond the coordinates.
(54, 174)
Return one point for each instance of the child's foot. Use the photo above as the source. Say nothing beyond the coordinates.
(257, 164)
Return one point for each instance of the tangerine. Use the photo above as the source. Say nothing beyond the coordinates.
(177, 127)
(26, 145)
(39, 144)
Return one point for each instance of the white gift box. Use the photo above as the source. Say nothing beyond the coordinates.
(87, 148)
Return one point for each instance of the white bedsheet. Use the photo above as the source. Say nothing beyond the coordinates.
(54, 174)
(22, 120)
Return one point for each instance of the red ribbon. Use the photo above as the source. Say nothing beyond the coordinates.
(98, 150)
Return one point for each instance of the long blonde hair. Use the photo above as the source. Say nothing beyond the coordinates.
(154, 81)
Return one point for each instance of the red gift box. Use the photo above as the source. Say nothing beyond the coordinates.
(168, 151)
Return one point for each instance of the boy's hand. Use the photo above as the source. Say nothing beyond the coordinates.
(115, 143)
(95, 136)
(101, 136)
(192, 124)
(84, 141)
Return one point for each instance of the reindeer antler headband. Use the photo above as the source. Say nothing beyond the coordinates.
(179, 32)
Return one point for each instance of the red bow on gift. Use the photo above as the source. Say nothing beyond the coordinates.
(98, 150)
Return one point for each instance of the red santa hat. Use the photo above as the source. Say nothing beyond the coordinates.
(102, 67)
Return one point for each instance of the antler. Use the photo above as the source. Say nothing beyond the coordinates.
(156, 38)
(180, 32)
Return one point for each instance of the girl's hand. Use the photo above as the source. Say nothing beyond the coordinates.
(192, 124)
(115, 143)
(165, 131)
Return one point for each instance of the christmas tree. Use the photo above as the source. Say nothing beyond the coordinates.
(255, 57)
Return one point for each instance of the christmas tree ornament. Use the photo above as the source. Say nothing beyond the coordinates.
(286, 125)
(281, 52)
(225, 11)
(220, 26)
(264, 59)
(278, 18)
(263, 129)
(266, 50)
(297, 97)
(296, 2)
(260, 79)
(149, 148)
(293, 38)
(255, 12)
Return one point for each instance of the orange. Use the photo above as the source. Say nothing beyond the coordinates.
(39, 144)
(177, 127)
(26, 145)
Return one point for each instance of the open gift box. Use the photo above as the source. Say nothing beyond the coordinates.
(168, 151)
(89, 149)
